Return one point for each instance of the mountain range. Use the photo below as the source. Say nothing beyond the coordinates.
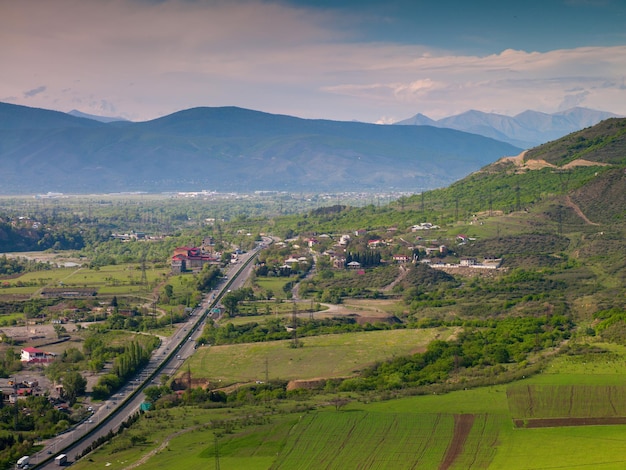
(526, 130)
(229, 149)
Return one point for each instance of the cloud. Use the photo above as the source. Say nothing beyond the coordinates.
(34, 91)
(570, 101)
(168, 55)
(510, 82)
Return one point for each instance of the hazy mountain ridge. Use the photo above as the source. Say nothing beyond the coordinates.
(230, 149)
(105, 119)
(526, 130)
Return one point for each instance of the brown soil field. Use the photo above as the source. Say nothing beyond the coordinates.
(560, 422)
(462, 427)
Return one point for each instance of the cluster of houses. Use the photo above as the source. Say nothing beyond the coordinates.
(23, 221)
(434, 251)
(12, 389)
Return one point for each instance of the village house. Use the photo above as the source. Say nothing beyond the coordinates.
(424, 226)
(36, 356)
(291, 261)
(374, 243)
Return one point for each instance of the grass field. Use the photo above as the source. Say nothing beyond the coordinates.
(321, 356)
(109, 280)
(465, 429)
(567, 401)
(275, 284)
(367, 440)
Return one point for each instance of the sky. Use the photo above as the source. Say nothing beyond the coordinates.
(364, 60)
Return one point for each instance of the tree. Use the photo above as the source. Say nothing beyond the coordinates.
(169, 290)
(74, 385)
(230, 301)
(339, 402)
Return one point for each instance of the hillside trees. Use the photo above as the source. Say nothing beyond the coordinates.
(481, 345)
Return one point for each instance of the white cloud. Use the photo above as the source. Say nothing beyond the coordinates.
(141, 60)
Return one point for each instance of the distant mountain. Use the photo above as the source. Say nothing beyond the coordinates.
(229, 149)
(76, 113)
(525, 130)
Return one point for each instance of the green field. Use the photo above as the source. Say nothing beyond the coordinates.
(367, 440)
(320, 356)
(423, 432)
(567, 401)
(108, 280)
(275, 284)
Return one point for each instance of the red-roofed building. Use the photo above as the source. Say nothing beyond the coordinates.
(187, 258)
(34, 355)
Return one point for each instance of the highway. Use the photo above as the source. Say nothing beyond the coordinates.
(166, 360)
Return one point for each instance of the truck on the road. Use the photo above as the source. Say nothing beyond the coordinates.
(60, 460)
(23, 462)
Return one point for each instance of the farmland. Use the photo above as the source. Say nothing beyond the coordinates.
(122, 279)
(457, 430)
(325, 356)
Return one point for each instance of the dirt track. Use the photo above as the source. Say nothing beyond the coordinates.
(579, 213)
(462, 427)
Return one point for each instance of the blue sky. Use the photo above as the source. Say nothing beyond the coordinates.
(372, 61)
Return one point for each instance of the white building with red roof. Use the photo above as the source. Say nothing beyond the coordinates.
(34, 355)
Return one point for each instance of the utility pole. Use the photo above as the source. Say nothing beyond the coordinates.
(17, 410)
(294, 325)
(217, 455)
(144, 278)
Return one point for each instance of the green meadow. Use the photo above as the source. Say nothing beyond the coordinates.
(425, 432)
(275, 284)
(108, 280)
(324, 356)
